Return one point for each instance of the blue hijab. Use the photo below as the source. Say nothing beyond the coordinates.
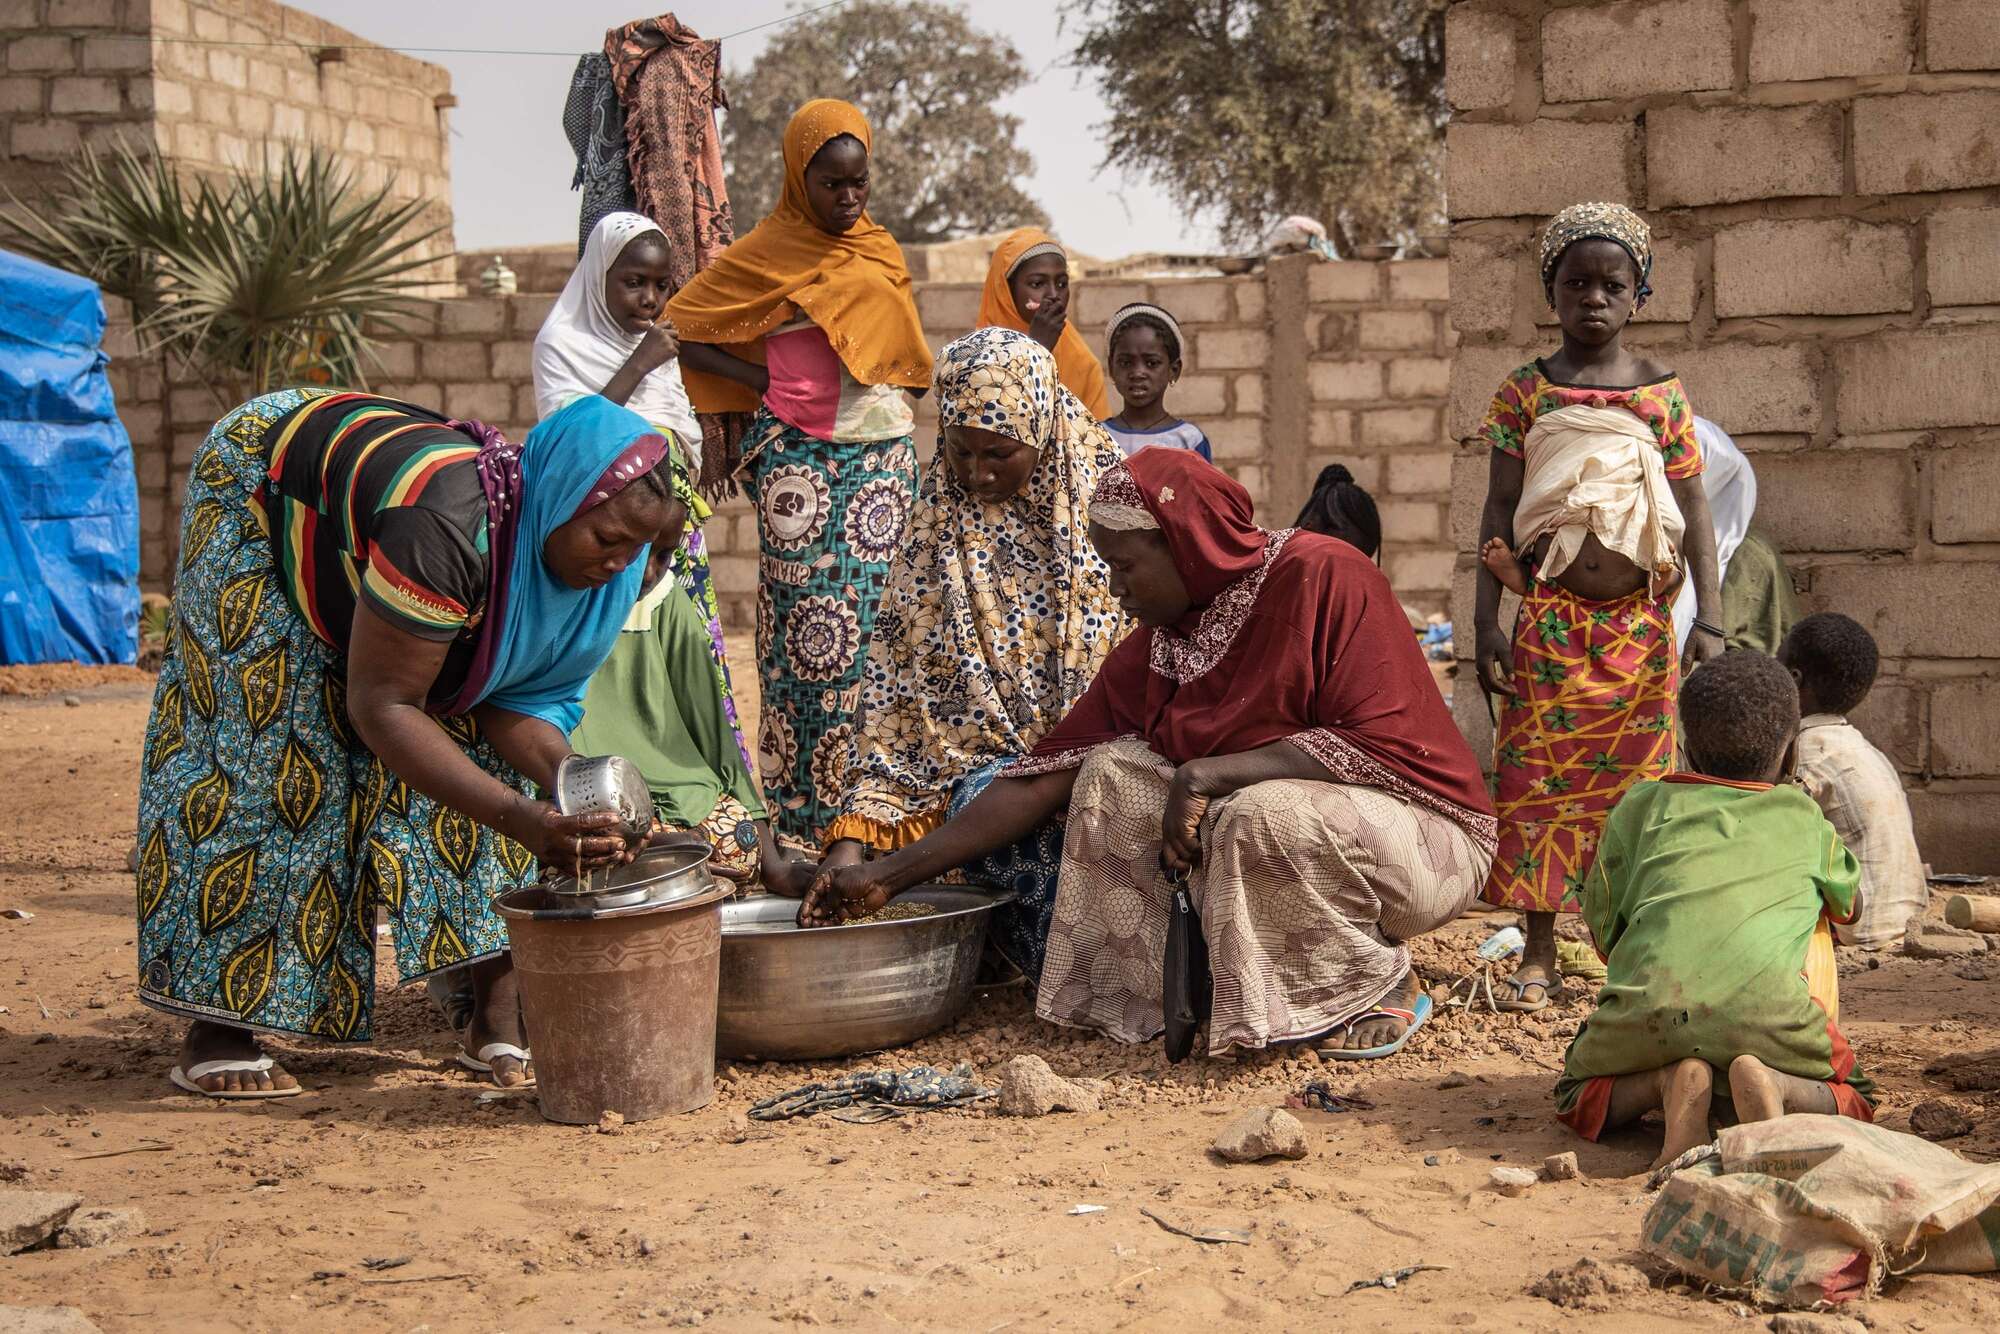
(551, 638)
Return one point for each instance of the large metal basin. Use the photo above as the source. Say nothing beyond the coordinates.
(792, 995)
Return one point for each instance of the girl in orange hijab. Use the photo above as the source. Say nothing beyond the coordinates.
(1027, 290)
(808, 321)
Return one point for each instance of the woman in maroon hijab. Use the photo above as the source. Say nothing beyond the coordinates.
(1271, 732)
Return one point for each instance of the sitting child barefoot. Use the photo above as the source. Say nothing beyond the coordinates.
(1501, 563)
(1834, 659)
(1704, 896)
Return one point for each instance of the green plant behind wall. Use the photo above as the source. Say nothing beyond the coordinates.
(263, 277)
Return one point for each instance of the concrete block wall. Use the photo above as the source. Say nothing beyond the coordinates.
(1823, 179)
(211, 82)
(1285, 370)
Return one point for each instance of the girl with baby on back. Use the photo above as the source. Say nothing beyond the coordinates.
(1594, 515)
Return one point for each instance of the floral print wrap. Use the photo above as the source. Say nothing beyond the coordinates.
(996, 617)
(830, 516)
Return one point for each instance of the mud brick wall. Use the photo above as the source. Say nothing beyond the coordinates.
(1823, 178)
(211, 82)
(1286, 370)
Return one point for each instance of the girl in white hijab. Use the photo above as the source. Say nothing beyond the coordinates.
(605, 334)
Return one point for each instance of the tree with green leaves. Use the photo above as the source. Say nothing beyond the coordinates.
(945, 162)
(1246, 111)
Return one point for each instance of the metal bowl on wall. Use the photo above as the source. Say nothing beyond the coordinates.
(794, 995)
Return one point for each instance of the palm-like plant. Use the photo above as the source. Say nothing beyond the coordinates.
(263, 278)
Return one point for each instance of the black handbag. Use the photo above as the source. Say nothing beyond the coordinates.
(1186, 987)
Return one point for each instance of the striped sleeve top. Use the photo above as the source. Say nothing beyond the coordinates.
(370, 500)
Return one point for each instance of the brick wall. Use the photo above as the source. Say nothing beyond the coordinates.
(1286, 370)
(210, 82)
(1823, 178)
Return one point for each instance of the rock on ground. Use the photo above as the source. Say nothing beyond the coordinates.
(100, 1227)
(1934, 940)
(30, 1217)
(1512, 1180)
(1936, 1120)
(1260, 1133)
(1029, 1088)
(45, 1320)
(1562, 1167)
(1795, 1322)
(1589, 1284)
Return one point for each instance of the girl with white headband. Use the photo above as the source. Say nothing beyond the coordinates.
(1144, 345)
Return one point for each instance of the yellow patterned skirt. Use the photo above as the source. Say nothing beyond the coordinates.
(1594, 712)
(269, 836)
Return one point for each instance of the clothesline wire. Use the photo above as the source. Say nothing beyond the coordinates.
(451, 50)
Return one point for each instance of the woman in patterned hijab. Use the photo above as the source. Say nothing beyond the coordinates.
(996, 616)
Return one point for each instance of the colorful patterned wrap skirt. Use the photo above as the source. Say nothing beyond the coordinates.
(269, 836)
(1595, 713)
(1030, 868)
(829, 518)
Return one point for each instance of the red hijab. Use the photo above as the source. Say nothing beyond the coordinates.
(1293, 637)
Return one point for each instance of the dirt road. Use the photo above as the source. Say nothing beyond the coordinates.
(266, 1216)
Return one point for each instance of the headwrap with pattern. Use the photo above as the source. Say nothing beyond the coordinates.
(1599, 221)
(1001, 381)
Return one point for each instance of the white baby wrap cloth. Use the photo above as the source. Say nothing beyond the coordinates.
(1598, 470)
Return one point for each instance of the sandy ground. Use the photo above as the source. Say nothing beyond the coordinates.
(266, 1215)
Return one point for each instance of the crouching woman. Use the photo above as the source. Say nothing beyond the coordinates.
(1272, 734)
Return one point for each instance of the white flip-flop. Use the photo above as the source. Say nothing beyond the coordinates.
(483, 1062)
(203, 1069)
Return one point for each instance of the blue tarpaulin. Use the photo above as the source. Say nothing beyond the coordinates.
(69, 501)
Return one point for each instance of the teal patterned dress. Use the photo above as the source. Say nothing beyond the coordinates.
(830, 516)
(270, 838)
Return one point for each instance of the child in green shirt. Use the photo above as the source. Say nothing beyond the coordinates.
(1702, 901)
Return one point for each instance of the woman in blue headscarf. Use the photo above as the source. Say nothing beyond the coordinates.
(384, 621)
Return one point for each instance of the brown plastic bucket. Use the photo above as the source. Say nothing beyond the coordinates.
(619, 1004)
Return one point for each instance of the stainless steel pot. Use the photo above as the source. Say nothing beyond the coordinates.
(586, 784)
(791, 995)
(663, 874)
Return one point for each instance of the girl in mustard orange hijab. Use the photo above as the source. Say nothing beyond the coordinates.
(1027, 290)
(808, 321)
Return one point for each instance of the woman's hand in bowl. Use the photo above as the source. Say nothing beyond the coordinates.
(842, 892)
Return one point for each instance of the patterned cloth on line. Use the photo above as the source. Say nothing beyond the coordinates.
(830, 518)
(1306, 891)
(876, 1095)
(269, 835)
(669, 81)
(1597, 687)
(595, 125)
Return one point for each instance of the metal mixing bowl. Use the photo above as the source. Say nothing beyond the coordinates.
(792, 995)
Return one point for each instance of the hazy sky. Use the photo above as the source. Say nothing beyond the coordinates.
(511, 165)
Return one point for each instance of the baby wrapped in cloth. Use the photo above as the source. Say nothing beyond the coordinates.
(1598, 471)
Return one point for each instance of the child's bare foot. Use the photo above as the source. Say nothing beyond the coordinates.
(1501, 563)
(1763, 1094)
(1686, 1090)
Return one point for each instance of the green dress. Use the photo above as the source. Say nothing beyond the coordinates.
(1757, 601)
(1703, 901)
(656, 702)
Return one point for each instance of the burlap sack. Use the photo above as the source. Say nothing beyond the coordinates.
(1805, 1210)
